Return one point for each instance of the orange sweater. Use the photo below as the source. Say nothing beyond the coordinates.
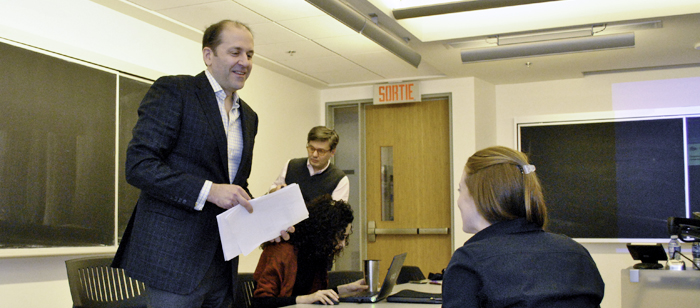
(277, 270)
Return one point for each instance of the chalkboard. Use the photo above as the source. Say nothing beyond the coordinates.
(58, 132)
(615, 179)
(131, 92)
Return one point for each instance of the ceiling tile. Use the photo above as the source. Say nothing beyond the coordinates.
(317, 27)
(201, 16)
(302, 49)
(359, 75)
(350, 44)
(282, 9)
(272, 33)
(332, 63)
(166, 4)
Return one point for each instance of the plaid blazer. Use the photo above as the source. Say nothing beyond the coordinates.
(178, 143)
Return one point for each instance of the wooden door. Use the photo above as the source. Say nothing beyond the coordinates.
(419, 136)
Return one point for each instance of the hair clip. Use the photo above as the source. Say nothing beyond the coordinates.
(527, 169)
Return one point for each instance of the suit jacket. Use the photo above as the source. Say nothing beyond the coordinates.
(178, 143)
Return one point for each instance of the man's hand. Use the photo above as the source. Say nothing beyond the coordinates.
(227, 196)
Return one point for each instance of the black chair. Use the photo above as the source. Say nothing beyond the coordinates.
(244, 290)
(336, 278)
(94, 284)
(409, 273)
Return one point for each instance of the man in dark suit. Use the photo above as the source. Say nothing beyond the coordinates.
(191, 156)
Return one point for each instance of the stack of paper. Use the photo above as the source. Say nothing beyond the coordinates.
(241, 232)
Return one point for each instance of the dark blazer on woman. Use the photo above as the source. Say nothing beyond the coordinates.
(515, 263)
(178, 143)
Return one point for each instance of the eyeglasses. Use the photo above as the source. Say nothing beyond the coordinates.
(320, 151)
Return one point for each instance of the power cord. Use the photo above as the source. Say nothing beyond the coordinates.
(689, 259)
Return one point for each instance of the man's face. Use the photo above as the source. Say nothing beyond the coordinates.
(233, 60)
(319, 153)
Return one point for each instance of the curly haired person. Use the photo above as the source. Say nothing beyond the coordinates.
(296, 271)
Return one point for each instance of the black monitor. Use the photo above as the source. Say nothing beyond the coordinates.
(649, 254)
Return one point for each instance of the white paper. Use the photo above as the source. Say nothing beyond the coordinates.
(241, 232)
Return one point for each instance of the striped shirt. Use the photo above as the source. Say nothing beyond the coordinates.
(234, 136)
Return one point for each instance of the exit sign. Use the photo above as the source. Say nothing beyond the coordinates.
(404, 92)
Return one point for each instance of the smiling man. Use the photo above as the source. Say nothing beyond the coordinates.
(315, 174)
(191, 156)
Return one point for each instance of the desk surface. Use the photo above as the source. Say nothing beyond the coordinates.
(647, 288)
(430, 288)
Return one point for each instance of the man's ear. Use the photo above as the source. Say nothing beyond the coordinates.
(207, 54)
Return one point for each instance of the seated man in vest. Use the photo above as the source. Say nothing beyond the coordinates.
(316, 175)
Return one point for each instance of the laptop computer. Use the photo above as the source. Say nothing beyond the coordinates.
(387, 285)
(411, 296)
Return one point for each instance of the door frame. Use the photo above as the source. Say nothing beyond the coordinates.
(360, 104)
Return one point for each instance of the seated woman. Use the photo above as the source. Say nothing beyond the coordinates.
(511, 261)
(296, 271)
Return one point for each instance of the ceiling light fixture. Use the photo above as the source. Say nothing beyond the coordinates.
(548, 48)
(358, 22)
(558, 33)
(544, 36)
(455, 7)
(552, 41)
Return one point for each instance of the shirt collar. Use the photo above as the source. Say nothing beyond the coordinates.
(518, 225)
(219, 91)
(311, 168)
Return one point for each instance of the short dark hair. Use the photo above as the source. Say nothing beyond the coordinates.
(212, 35)
(322, 133)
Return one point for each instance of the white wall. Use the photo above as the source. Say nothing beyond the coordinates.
(82, 29)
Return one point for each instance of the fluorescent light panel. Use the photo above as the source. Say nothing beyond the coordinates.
(455, 7)
(543, 36)
(548, 48)
(554, 34)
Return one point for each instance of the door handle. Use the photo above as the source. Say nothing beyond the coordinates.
(372, 231)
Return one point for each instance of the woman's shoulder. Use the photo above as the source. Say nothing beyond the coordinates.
(277, 249)
(277, 254)
(281, 246)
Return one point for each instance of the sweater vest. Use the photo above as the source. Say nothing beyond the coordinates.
(315, 186)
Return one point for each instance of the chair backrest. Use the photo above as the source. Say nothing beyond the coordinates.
(245, 289)
(94, 284)
(336, 278)
(409, 273)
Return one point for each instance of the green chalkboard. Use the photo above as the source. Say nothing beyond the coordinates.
(58, 149)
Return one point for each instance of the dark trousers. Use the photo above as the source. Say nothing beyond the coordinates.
(215, 290)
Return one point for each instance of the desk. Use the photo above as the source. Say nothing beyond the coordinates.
(430, 288)
(646, 288)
